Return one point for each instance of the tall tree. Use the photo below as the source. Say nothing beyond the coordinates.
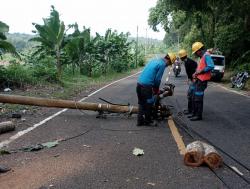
(5, 46)
(223, 23)
(51, 37)
(80, 49)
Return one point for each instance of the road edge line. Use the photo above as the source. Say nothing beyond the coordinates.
(232, 91)
(23, 132)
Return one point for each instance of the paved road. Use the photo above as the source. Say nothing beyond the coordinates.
(97, 153)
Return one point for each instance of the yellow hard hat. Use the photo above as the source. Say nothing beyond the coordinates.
(172, 57)
(196, 46)
(182, 53)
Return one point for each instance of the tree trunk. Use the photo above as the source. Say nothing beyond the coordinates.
(58, 64)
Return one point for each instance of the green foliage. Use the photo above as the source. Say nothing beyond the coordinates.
(56, 54)
(243, 62)
(15, 75)
(4, 45)
(119, 66)
(45, 70)
(141, 60)
(222, 24)
(51, 37)
(3, 76)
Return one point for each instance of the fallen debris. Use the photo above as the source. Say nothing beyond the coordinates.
(4, 169)
(7, 126)
(87, 146)
(4, 152)
(32, 148)
(16, 115)
(151, 183)
(50, 144)
(211, 156)
(194, 154)
(199, 152)
(38, 147)
(138, 152)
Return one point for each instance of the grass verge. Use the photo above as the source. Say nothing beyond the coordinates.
(69, 88)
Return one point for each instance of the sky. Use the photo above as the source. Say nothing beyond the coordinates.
(99, 15)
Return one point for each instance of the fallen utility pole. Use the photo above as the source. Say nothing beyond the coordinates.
(159, 109)
(24, 100)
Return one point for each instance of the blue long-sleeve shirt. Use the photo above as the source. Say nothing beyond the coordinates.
(152, 73)
(209, 62)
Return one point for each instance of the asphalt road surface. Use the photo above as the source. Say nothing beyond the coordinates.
(96, 153)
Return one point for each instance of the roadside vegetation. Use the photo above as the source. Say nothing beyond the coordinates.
(221, 24)
(61, 61)
(68, 59)
(59, 54)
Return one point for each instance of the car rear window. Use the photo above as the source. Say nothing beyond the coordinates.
(219, 61)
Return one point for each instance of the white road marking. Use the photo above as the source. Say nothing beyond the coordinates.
(237, 170)
(233, 91)
(21, 133)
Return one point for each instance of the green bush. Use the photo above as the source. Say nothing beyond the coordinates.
(243, 62)
(16, 75)
(3, 77)
(119, 66)
(44, 70)
(141, 60)
(97, 69)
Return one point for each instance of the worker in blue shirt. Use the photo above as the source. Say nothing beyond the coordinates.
(148, 85)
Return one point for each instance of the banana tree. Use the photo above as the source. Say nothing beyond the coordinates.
(107, 48)
(51, 38)
(5, 46)
(80, 50)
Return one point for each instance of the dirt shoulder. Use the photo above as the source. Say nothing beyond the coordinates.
(53, 91)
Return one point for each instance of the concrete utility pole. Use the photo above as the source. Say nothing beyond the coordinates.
(160, 109)
(178, 41)
(24, 100)
(136, 50)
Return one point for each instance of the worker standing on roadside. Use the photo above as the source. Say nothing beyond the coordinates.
(190, 67)
(202, 75)
(148, 85)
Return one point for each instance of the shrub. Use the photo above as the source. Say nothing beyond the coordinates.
(16, 75)
(44, 70)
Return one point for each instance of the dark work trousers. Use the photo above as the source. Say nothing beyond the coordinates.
(190, 96)
(145, 101)
(199, 89)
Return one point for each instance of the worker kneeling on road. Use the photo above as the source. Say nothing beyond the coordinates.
(201, 76)
(148, 85)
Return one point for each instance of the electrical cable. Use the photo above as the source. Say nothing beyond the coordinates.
(128, 130)
(192, 136)
(113, 103)
(76, 136)
(184, 127)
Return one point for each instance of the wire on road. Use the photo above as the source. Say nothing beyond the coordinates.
(184, 126)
